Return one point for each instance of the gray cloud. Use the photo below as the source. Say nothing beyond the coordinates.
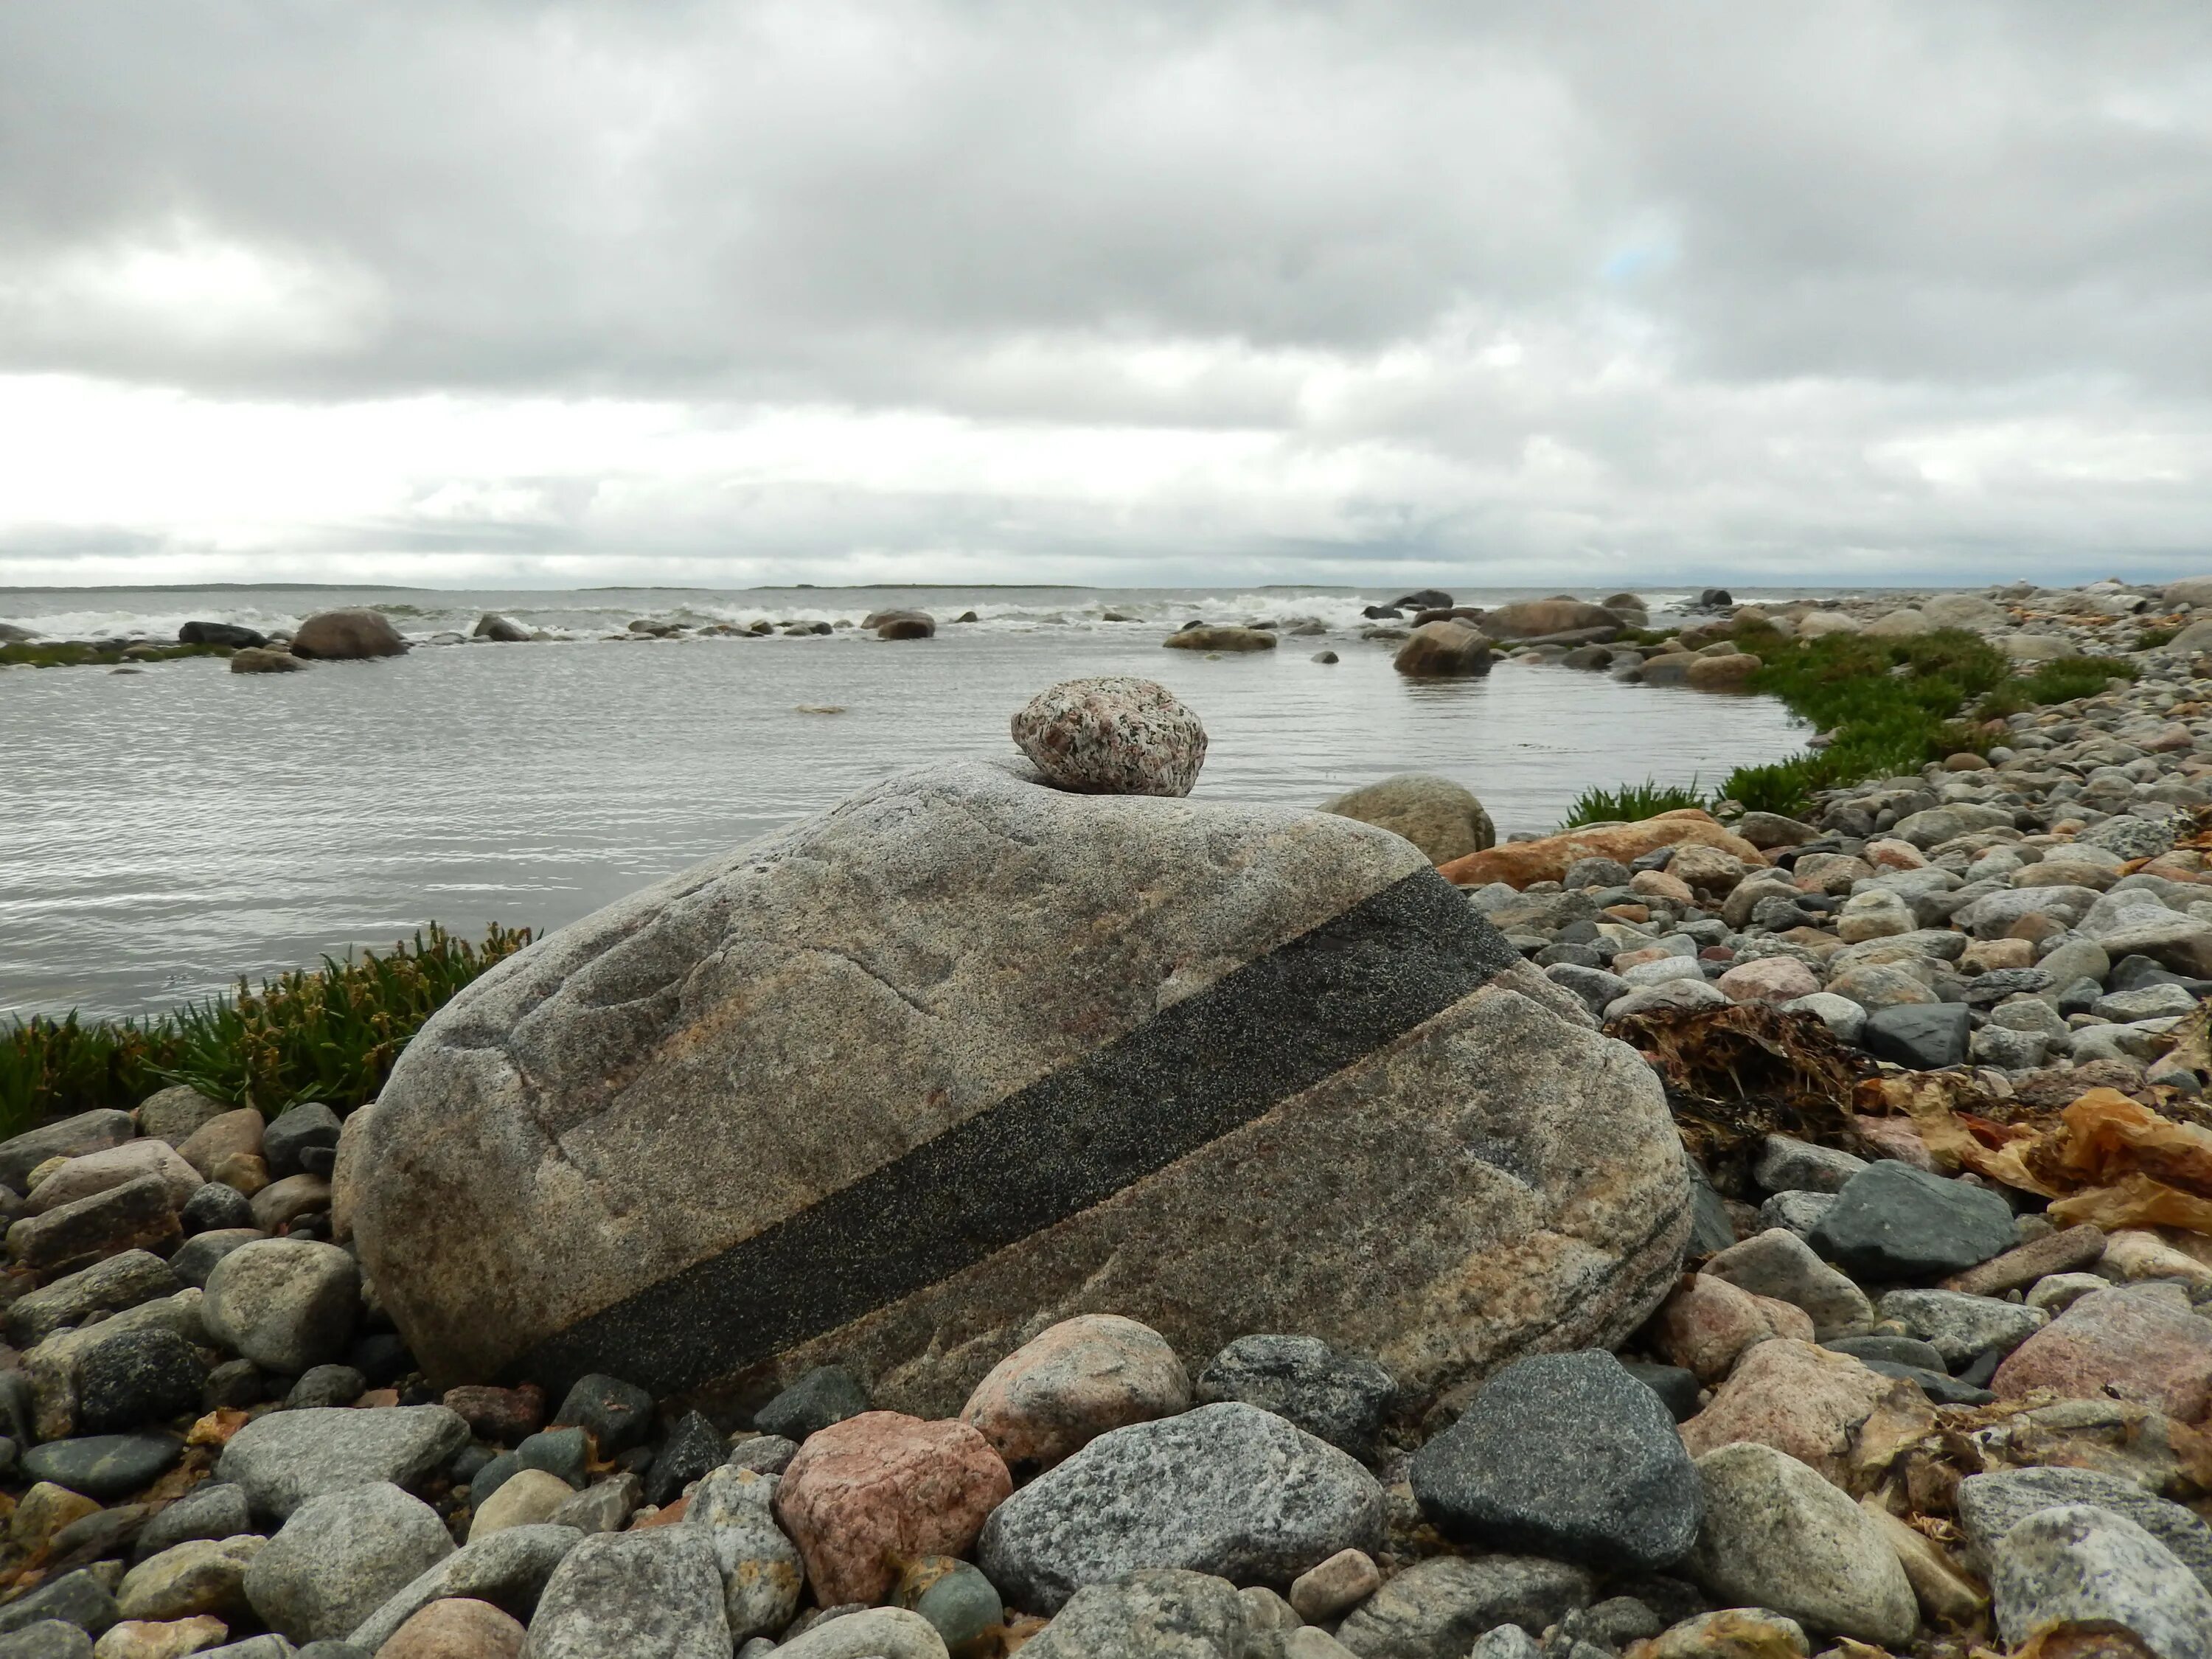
(1887, 289)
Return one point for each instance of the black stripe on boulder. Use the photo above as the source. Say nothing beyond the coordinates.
(1221, 1057)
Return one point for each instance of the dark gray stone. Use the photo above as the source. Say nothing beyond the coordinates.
(565, 1452)
(826, 1395)
(215, 633)
(196, 1257)
(295, 1130)
(617, 1415)
(657, 1592)
(1159, 1613)
(286, 1458)
(326, 1385)
(76, 1598)
(1896, 1350)
(695, 1447)
(1226, 1489)
(1893, 1222)
(137, 1377)
(508, 1568)
(495, 1473)
(1564, 1455)
(1440, 1608)
(1940, 1386)
(1921, 1036)
(235, 1385)
(1676, 1387)
(215, 1509)
(215, 1208)
(1338, 1397)
(104, 1467)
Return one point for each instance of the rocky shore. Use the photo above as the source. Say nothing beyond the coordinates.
(1024, 1209)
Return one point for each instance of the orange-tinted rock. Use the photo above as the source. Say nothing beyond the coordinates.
(1532, 619)
(1796, 1398)
(1896, 1138)
(506, 1414)
(1060, 1391)
(1769, 979)
(458, 1628)
(883, 1486)
(1657, 883)
(1731, 672)
(1708, 1323)
(1520, 862)
(2133, 1344)
(1894, 855)
(219, 1137)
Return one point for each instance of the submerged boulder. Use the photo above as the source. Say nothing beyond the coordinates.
(215, 633)
(966, 1055)
(1444, 650)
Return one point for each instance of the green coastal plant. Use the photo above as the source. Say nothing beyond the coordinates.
(1647, 799)
(78, 653)
(331, 1034)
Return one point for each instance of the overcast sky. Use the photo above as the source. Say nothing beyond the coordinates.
(489, 292)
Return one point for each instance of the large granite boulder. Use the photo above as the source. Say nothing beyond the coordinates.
(342, 635)
(904, 1084)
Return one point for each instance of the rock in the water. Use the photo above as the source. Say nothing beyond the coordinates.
(215, 633)
(1892, 1222)
(286, 1458)
(1565, 1456)
(1442, 818)
(1338, 1397)
(285, 1304)
(1001, 1073)
(1439, 1608)
(1160, 1612)
(1444, 650)
(650, 1594)
(1777, 1535)
(2084, 1566)
(882, 1485)
(1225, 1489)
(1071, 1384)
(1202, 638)
(1113, 736)
(503, 630)
(901, 624)
(342, 635)
(264, 660)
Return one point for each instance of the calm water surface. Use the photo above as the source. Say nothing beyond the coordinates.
(162, 833)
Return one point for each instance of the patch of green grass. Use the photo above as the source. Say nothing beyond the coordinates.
(77, 654)
(2151, 638)
(330, 1035)
(1647, 799)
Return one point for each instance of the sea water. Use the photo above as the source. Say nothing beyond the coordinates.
(165, 832)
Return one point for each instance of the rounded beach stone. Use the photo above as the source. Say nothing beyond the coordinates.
(457, 1628)
(1777, 1535)
(286, 1458)
(1117, 735)
(2134, 1343)
(341, 1556)
(1444, 650)
(204, 1574)
(1443, 1606)
(285, 1304)
(1225, 1489)
(882, 1484)
(527, 1497)
(1565, 1456)
(136, 1377)
(1441, 817)
(761, 1566)
(1338, 1397)
(1069, 1383)
(2080, 1564)
(1164, 1611)
(869, 1633)
(656, 1592)
(1021, 1093)
(168, 1638)
(1804, 1401)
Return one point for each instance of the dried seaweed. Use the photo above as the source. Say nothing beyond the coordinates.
(1735, 1074)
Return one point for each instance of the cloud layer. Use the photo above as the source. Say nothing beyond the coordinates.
(728, 292)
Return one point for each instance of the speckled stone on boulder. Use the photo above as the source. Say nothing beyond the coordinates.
(1225, 1489)
(1565, 1456)
(1072, 1382)
(1117, 735)
(1036, 1056)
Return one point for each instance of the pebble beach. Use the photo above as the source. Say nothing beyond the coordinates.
(1030, 1207)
